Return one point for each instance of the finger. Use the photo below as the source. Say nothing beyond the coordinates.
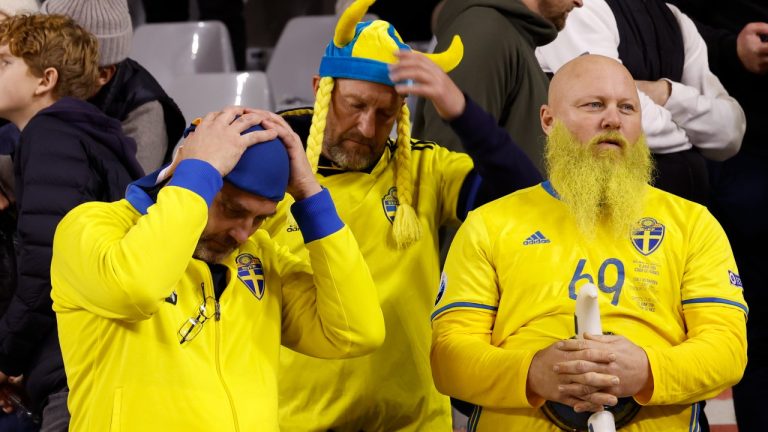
(577, 390)
(595, 355)
(583, 406)
(594, 379)
(600, 399)
(257, 137)
(580, 367)
(575, 345)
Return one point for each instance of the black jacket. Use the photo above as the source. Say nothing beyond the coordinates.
(68, 154)
(133, 86)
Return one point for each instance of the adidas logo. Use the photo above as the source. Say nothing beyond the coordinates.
(536, 238)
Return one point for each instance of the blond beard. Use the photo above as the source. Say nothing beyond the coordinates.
(601, 186)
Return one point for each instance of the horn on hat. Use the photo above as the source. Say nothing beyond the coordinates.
(345, 28)
(450, 58)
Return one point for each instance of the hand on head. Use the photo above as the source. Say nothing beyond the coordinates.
(418, 75)
(302, 182)
(218, 140)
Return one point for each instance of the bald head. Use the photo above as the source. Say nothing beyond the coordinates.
(592, 94)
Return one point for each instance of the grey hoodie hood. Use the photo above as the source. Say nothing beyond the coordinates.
(537, 30)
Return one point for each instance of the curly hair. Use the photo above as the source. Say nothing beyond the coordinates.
(55, 41)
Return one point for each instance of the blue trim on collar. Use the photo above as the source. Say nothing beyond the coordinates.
(550, 189)
(196, 175)
(135, 193)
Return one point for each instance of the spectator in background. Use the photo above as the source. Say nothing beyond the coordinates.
(69, 152)
(128, 92)
(394, 194)
(670, 299)
(687, 114)
(230, 12)
(499, 69)
(9, 136)
(736, 34)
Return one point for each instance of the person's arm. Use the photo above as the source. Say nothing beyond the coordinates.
(465, 363)
(121, 260)
(713, 121)
(331, 310)
(593, 29)
(146, 125)
(501, 167)
(714, 355)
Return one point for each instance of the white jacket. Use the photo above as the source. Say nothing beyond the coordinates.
(699, 111)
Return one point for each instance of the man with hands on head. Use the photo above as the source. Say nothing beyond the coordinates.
(172, 304)
(669, 292)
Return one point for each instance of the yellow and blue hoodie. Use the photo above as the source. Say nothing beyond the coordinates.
(124, 281)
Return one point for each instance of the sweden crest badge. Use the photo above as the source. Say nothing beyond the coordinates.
(390, 203)
(251, 273)
(647, 235)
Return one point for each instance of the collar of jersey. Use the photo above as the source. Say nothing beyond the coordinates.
(550, 189)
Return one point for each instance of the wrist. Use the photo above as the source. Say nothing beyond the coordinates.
(304, 191)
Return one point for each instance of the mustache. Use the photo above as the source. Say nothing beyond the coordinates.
(359, 138)
(612, 136)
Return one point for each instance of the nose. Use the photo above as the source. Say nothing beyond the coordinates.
(578, 3)
(611, 119)
(241, 231)
(366, 124)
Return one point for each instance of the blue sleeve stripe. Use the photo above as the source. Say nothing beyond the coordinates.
(316, 216)
(463, 304)
(717, 300)
(198, 176)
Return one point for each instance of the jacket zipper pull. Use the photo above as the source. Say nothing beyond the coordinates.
(217, 313)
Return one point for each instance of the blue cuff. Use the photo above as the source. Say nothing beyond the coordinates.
(198, 176)
(316, 216)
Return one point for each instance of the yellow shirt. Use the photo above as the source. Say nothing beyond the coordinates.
(391, 389)
(509, 289)
(124, 281)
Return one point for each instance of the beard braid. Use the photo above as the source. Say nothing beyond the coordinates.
(599, 186)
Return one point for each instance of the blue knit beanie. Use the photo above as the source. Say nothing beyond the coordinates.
(263, 169)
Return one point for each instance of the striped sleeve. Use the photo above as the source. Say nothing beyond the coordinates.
(469, 280)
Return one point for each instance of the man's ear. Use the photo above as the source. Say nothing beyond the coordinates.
(315, 83)
(547, 119)
(105, 74)
(47, 82)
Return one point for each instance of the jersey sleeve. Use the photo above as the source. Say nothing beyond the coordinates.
(330, 307)
(465, 362)
(713, 356)
(452, 169)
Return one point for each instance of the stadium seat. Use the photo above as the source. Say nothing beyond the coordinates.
(199, 94)
(182, 48)
(296, 58)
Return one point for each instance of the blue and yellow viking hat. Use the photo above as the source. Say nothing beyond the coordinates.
(363, 51)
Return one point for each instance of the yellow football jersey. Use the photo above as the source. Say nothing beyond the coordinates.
(509, 288)
(391, 389)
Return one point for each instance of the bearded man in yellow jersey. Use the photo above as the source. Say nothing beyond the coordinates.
(395, 194)
(670, 296)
